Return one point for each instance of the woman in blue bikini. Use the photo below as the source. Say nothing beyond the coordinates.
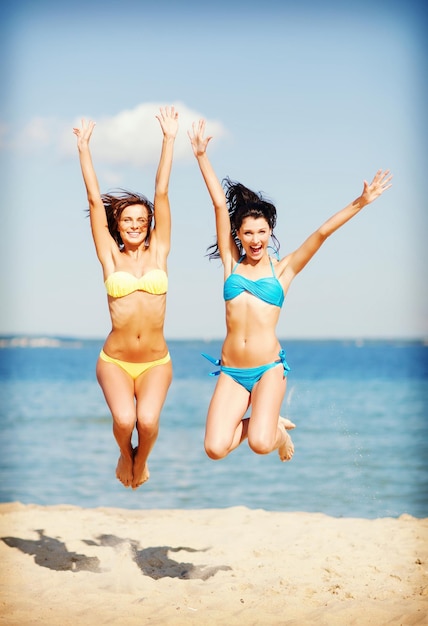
(132, 241)
(253, 367)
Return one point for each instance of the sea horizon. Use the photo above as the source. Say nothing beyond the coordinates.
(52, 340)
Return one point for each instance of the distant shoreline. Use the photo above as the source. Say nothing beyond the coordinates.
(53, 341)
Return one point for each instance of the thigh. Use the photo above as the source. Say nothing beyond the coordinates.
(227, 408)
(151, 389)
(266, 399)
(118, 389)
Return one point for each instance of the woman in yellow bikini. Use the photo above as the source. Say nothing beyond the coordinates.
(132, 241)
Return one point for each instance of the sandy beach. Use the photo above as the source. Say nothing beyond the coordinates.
(64, 565)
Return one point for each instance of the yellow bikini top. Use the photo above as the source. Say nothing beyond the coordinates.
(121, 284)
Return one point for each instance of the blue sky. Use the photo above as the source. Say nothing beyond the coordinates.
(304, 104)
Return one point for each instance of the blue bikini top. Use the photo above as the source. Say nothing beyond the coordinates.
(267, 289)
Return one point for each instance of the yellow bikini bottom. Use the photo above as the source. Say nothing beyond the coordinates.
(134, 369)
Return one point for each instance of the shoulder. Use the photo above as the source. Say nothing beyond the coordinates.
(281, 265)
(109, 261)
(229, 261)
(157, 250)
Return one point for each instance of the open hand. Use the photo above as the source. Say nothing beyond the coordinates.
(197, 139)
(380, 183)
(168, 119)
(84, 133)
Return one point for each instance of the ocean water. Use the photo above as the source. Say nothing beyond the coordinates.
(361, 438)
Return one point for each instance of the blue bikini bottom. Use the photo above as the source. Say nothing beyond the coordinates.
(248, 376)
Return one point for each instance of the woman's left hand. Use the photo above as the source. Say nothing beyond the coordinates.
(380, 183)
(197, 139)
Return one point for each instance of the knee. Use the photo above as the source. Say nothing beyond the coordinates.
(215, 451)
(148, 426)
(123, 422)
(260, 445)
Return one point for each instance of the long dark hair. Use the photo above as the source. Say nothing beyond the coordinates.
(114, 204)
(242, 203)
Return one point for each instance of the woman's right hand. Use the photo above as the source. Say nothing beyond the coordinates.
(84, 133)
(168, 119)
(197, 139)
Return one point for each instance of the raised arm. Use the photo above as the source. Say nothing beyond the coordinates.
(226, 244)
(102, 238)
(168, 120)
(298, 259)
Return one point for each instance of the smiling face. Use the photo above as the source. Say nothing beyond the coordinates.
(254, 235)
(133, 225)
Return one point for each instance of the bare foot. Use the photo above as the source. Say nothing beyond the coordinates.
(286, 449)
(288, 425)
(124, 470)
(141, 470)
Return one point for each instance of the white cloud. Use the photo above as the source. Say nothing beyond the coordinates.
(38, 134)
(38, 131)
(133, 136)
(112, 177)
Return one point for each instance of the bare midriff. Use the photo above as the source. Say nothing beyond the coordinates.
(137, 334)
(251, 340)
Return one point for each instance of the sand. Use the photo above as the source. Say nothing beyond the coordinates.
(65, 565)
